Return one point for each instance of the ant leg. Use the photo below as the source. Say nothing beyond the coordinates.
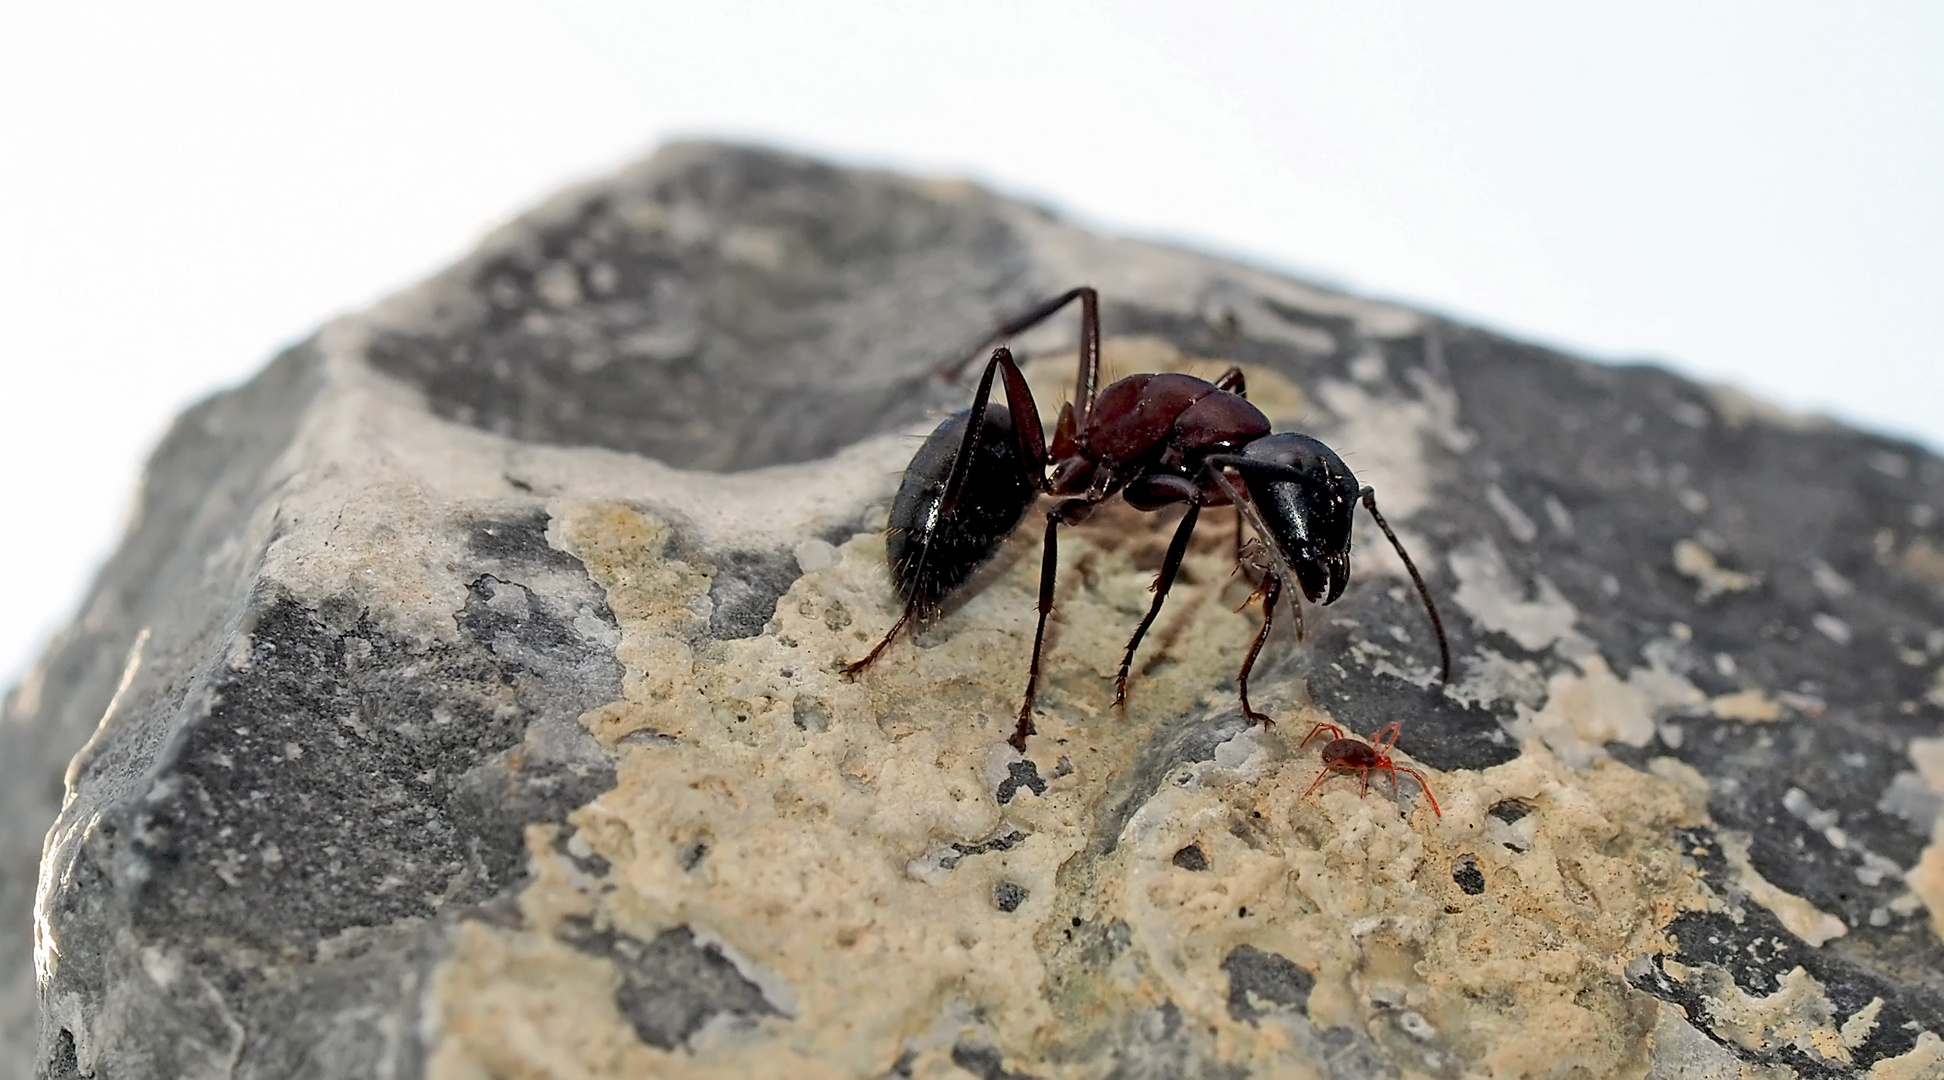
(1421, 784)
(1068, 511)
(851, 671)
(1271, 589)
(1444, 648)
(1087, 379)
(1032, 446)
(1232, 381)
(1049, 568)
(1177, 548)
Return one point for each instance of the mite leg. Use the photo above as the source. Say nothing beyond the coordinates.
(1318, 782)
(1177, 549)
(1419, 777)
(1386, 736)
(1321, 727)
(1431, 609)
(1271, 589)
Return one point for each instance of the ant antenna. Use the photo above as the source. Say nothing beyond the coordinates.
(1369, 497)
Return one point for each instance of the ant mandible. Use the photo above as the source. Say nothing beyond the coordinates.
(1155, 440)
(1342, 754)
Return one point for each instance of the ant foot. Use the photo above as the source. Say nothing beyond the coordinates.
(1025, 728)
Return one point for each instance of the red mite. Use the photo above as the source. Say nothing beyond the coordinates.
(1354, 755)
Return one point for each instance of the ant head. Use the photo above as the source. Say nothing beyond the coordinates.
(1304, 495)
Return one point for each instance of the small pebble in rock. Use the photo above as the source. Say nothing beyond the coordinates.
(1008, 895)
(1468, 876)
(1191, 858)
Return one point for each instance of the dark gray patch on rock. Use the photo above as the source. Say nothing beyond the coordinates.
(519, 540)
(1509, 811)
(1757, 951)
(984, 1062)
(1469, 877)
(1257, 976)
(1155, 1044)
(745, 589)
(1172, 746)
(802, 316)
(1020, 774)
(1191, 858)
(673, 986)
(1005, 841)
(1349, 1054)
(1008, 895)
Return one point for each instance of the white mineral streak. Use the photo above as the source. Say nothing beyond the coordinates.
(1584, 712)
(1926, 879)
(1697, 562)
(1798, 916)
(1681, 1052)
(1797, 1014)
(1924, 1061)
(1746, 707)
(1496, 599)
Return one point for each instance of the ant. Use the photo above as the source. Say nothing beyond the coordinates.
(1155, 440)
(1342, 754)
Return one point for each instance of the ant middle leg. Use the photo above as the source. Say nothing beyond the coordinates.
(1069, 512)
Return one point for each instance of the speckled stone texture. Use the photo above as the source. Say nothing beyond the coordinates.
(463, 701)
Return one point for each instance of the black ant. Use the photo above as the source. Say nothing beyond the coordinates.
(1155, 440)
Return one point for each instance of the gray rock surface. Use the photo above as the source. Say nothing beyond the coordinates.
(461, 700)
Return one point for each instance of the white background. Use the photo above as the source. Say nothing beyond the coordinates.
(1747, 191)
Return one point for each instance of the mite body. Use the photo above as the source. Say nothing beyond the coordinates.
(1154, 440)
(1348, 755)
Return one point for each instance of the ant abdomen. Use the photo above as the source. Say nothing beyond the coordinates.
(933, 548)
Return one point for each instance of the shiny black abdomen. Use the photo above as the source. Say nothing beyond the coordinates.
(929, 556)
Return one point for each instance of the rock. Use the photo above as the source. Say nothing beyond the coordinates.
(464, 702)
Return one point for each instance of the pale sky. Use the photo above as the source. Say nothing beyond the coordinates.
(1747, 192)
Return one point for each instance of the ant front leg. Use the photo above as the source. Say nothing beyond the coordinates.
(1271, 589)
(1149, 492)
